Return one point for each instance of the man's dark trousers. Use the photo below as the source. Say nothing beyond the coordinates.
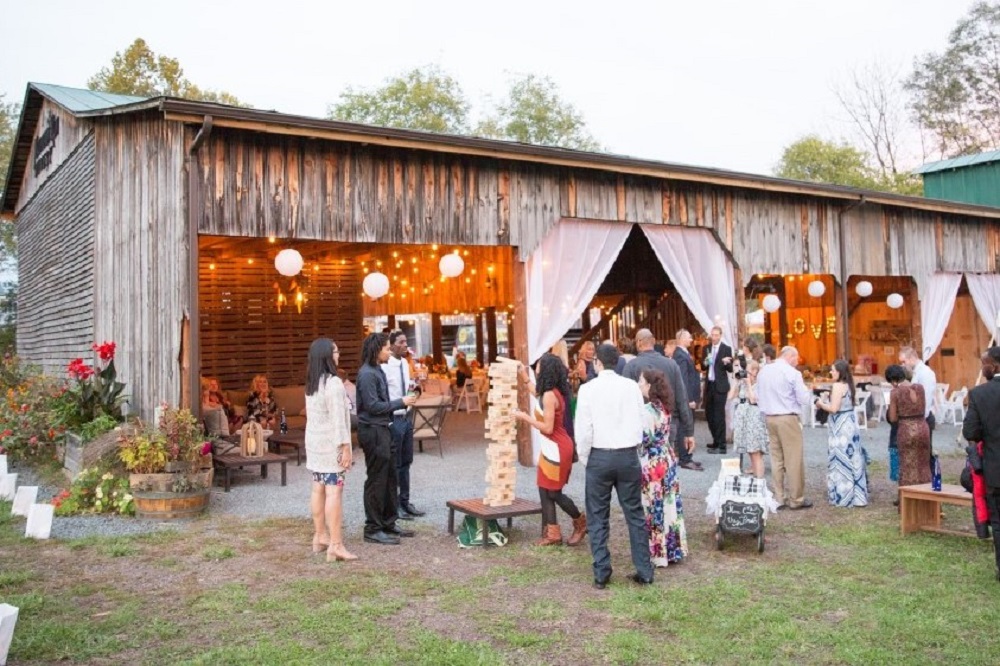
(402, 439)
(380, 484)
(715, 414)
(618, 469)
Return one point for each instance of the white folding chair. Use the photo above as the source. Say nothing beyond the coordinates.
(940, 394)
(861, 409)
(879, 406)
(954, 406)
(468, 396)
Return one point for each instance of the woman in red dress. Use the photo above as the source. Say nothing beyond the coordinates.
(557, 451)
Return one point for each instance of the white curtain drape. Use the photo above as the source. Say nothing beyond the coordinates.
(985, 290)
(701, 272)
(564, 274)
(936, 305)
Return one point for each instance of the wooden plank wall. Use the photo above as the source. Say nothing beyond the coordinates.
(289, 187)
(55, 243)
(72, 131)
(141, 247)
(244, 334)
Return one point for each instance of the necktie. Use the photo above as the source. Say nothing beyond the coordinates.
(711, 365)
(402, 378)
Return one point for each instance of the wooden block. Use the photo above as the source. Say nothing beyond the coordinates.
(8, 618)
(23, 499)
(8, 484)
(39, 521)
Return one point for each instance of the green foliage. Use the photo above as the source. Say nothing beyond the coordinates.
(819, 161)
(422, 99)
(96, 393)
(143, 452)
(10, 113)
(93, 429)
(31, 409)
(956, 93)
(177, 438)
(95, 491)
(534, 113)
(140, 71)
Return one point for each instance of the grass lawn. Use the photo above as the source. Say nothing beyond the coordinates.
(833, 587)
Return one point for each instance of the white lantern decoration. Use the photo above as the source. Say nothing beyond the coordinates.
(771, 303)
(864, 289)
(894, 301)
(376, 285)
(289, 262)
(451, 265)
(816, 288)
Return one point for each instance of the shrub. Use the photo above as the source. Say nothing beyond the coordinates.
(95, 491)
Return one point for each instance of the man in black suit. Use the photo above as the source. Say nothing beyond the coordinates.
(982, 424)
(692, 385)
(717, 364)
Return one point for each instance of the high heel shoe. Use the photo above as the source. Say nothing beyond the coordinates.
(337, 553)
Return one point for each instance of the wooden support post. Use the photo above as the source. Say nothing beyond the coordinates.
(391, 322)
(741, 306)
(491, 334)
(518, 335)
(480, 338)
(436, 348)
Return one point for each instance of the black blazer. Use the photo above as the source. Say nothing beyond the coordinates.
(722, 370)
(690, 374)
(982, 424)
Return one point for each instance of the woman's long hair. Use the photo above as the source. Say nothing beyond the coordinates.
(844, 375)
(660, 391)
(372, 347)
(320, 364)
(552, 375)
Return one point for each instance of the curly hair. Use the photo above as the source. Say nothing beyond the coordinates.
(552, 376)
(660, 390)
(371, 348)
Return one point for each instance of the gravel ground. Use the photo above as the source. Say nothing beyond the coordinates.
(459, 474)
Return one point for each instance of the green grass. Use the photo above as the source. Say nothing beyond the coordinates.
(837, 589)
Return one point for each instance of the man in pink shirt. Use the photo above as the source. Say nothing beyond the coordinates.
(781, 395)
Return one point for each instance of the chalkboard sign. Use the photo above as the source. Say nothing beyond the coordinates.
(740, 517)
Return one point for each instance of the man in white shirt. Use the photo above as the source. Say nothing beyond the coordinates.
(921, 374)
(397, 374)
(608, 430)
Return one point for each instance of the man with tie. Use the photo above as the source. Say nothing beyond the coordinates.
(397, 373)
(692, 386)
(717, 364)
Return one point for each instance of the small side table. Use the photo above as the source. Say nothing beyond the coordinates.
(480, 511)
(294, 438)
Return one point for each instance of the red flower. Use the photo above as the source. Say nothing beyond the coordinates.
(79, 370)
(106, 351)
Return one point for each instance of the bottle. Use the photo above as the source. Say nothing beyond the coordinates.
(283, 424)
(936, 475)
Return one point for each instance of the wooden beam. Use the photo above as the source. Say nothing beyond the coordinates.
(519, 347)
(480, 338)
(491, 334)
(436, 348)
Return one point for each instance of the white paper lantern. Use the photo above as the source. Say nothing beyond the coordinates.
(894, 301)
(771, 303)
(289, 262)
(451, 265)
(376, 285)
(864, 289)
(816, 288)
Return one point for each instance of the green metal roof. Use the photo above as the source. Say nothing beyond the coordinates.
(957, 162)
(77, 100)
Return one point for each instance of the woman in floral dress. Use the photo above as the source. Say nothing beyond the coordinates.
(661, 490)
(749, 427)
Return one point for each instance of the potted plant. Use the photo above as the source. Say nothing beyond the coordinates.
(169, 464)
(92, 406)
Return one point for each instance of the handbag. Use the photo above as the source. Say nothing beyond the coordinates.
(470, 534)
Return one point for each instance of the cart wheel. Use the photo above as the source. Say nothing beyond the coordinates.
(760, 541)
(720, 540)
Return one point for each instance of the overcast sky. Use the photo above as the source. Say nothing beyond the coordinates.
(725, 83)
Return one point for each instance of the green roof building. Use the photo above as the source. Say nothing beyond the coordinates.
(971, 179)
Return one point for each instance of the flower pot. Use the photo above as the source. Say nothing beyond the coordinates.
(170, 506)
(163, 483)
(73, 456)
(181, 466)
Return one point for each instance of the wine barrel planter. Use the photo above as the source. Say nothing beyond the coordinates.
(170, 506)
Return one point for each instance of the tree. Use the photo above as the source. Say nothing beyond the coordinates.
(874, 103)
(139, 71)
(534, 113)
(956, 94)
(838, 163)
(9, 115)
(422, 99)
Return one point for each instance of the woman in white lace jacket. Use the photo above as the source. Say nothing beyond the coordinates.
(328, 448)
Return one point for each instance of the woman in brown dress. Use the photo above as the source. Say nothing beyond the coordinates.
(906, 408)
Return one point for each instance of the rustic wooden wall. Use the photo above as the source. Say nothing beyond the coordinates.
(141, 249)
(956, 361)
(243, 333)
(72, 131)
(56, 257)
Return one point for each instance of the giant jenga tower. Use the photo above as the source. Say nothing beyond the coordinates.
(501, 474)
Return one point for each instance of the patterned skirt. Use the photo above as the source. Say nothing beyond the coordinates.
(846, 478)
(749, 429)
(661, 502)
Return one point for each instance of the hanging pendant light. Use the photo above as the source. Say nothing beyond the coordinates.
(816, 288)
(289, 262)
(894, 301)
(864, 289)
(771, 303)
(376, 285)
(451, 265)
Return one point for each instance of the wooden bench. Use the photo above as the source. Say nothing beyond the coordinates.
(228, 463)
(481, 512)
(920, 507)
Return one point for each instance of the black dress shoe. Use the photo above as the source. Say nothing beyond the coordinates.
(399, 531)
(412, 510)
(382, 538)
(691, 464)
(719, 449)
(711, 448)
(639, 580)
(403, 515)
(806, 504)
(601, 583)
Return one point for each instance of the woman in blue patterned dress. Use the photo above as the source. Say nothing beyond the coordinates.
(661, 488)
(749, 427)
(846, 478)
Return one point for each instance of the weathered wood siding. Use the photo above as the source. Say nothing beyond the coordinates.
(141, 252)
(72, 131)
(289, 187)
(55, 239)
